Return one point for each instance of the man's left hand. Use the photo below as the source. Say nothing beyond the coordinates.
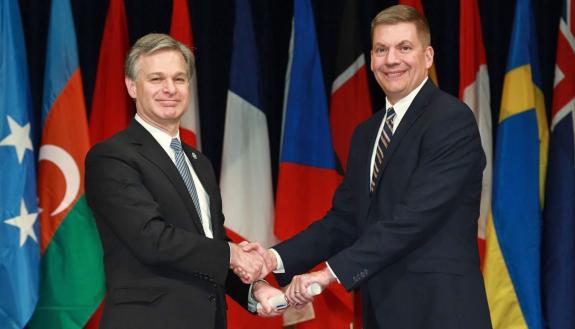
(297, 292)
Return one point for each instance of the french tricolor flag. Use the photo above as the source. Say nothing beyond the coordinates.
(245, 180)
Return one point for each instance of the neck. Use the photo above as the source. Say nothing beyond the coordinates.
(171, 128)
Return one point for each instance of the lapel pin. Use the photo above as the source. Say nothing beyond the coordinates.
(194, 156)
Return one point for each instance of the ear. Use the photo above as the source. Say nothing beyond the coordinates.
(131, 86)
(371, 56)
(429, 57)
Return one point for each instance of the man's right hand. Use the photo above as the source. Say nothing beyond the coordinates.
(248, 266)
(267, 255)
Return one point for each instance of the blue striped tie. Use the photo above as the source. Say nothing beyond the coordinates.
(382, 144)
(186, 175)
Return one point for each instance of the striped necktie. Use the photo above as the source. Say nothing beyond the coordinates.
(382, 144)
(186, 175)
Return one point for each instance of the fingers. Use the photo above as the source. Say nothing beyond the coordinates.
(253, 246)
(297, 293)
(246, 265)
(270, 262)
(265, 294)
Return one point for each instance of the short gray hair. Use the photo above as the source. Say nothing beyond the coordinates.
(151, 43)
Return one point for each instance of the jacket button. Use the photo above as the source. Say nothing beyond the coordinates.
(211, 298)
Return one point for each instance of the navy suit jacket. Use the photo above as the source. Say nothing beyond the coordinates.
(161, 270)
(410, 246)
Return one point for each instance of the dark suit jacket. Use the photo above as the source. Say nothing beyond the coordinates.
(161, 270)
(410, 246)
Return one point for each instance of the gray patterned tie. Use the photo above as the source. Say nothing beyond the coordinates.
(186, 175)
(382, 144)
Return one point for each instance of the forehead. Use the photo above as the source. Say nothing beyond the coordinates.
(166, 61)
(391, 34)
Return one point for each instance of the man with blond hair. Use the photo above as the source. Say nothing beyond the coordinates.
(403, 223)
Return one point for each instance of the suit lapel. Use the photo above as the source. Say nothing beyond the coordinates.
(149, 148)
(414, 111)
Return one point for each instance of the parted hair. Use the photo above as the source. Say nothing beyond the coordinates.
(404, 14)
(151, 43)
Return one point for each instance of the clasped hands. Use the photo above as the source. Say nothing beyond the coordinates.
(250, 262)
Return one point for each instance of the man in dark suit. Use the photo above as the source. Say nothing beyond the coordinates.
(158, 209)
(403, 223)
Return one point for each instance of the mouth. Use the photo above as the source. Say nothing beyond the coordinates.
(393, 75)
(168, 102)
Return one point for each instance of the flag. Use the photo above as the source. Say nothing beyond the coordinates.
(307, 174)
(19, 244)
(474, 91)
(350, 100)
(181, 30)
(417, 5)
(513, 237)
(245, 181)
(111, 105)
(558, 268)
(72, 281)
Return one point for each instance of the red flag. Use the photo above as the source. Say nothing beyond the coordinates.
(350, 101)
(474, 91)
(181, 30)
(111, 105)
(350, 105)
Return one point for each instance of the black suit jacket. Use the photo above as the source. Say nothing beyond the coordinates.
(161, 270)
(410, 246)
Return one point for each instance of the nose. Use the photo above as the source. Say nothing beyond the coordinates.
(391, 57)
(169, 86)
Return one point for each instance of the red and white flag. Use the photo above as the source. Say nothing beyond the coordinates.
(474, 91)
(181, 30)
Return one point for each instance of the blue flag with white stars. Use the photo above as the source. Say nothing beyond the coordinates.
(19, 231)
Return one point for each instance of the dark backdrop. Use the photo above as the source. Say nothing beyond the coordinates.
(212, 24)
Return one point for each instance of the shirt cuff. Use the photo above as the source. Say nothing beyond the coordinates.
(280, 265)
(252, 301)
(332, 272)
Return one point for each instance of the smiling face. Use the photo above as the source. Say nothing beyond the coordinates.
(399, 59)
(161, 89)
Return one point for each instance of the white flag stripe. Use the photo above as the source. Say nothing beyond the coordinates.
(569, 108)
(348, 73)
(477, 97)
(245, 180)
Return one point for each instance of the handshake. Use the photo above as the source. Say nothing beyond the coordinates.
(251, 263)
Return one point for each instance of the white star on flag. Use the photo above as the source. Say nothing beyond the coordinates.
(25, 222)
(19, 138)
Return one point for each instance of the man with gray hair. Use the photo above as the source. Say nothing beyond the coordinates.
(159, 212)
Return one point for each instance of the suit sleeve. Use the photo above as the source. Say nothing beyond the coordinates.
(322, 239)
(117, 194)
(450, 153)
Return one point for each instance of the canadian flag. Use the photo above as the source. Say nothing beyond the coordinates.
(474, 91)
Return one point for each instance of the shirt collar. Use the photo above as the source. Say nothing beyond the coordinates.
(401, 106)
(162, 137)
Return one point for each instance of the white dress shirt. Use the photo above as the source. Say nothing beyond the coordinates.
(400, 108)
(164, 139)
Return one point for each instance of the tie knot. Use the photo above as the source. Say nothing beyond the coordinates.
(390, 113)
(176, 145)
